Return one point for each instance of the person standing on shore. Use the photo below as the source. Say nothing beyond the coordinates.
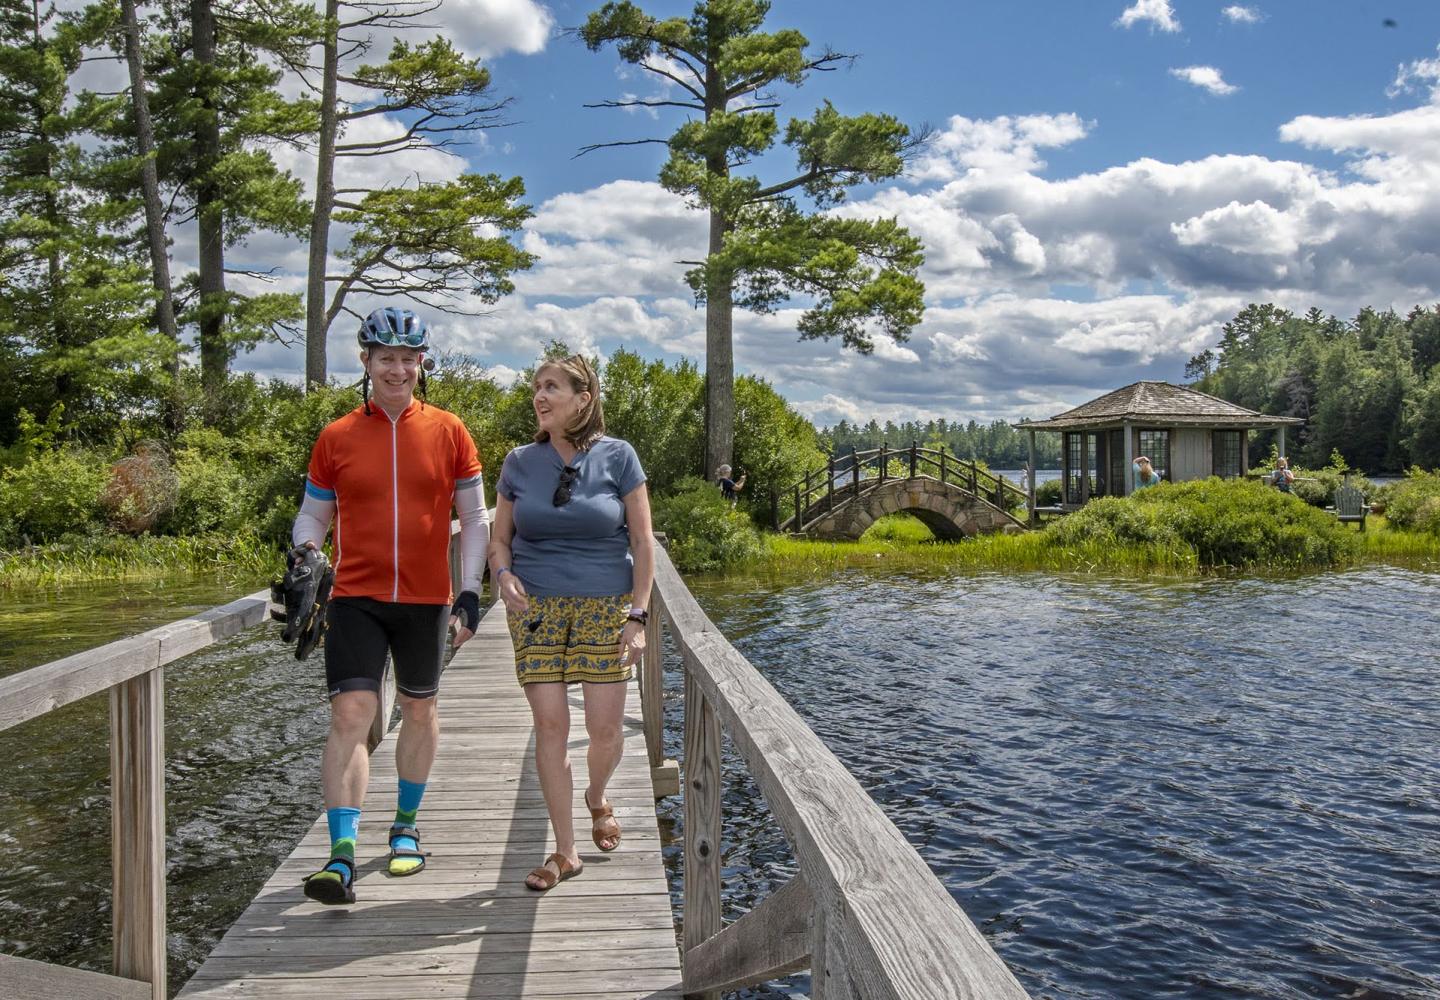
(1145, 474)
(573, 558)
(1283, 476)
(388, 473)
(729, 487)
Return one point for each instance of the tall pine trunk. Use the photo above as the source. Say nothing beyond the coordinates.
(154, 211)
(316, 323)
(719, 359)
(209, 214)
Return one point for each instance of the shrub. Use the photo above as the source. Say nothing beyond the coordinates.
(704, 532)
(1047, 494)
(213, 492)
(1225, 522)
(1413, 504)
(56, 492)
(140, 490)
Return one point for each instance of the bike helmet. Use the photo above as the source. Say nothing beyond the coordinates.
(392, 327)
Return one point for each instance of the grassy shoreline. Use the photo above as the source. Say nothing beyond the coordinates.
(896, 544)
(81, 560)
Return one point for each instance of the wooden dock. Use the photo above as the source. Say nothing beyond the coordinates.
(467, 926)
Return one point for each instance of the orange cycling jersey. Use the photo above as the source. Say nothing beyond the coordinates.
(393, 483)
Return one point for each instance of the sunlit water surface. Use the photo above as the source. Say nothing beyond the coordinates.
(1221, 787)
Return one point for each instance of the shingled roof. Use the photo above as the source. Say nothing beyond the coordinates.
(1154, 403)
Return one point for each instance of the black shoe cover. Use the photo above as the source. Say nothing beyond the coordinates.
(304, 591)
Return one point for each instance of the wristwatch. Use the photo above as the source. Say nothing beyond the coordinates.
(638, 615)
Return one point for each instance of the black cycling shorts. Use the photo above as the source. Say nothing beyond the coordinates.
(361, 630)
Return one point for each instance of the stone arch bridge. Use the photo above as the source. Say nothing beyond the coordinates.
(953, 498)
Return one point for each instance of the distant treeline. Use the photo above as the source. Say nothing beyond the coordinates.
(997, 444)
(1368, 388)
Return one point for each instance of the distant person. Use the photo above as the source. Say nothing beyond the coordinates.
(1283, 477)
(1145, 474)
(573, 558)
(728, 487)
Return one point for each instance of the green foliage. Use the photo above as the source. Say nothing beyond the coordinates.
(703, 531)
(55, 493)
(1363, 387)
(774, 447)
(1225, 523)
(658, 408)
(898, 528)
(213, 492)
(1048, 493)
(1413, 504)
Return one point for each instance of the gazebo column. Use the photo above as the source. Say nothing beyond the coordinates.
(1030, 478)
(1130, 454)
(1282, 441)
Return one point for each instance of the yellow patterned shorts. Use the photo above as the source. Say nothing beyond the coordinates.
(570, 639)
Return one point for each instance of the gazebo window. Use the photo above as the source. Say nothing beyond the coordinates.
(1225, 448)
(1155, 445)
(1075, 467)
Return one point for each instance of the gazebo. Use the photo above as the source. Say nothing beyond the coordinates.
(1186, 434)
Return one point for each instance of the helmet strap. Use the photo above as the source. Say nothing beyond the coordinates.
(423, 398)
(365, 391)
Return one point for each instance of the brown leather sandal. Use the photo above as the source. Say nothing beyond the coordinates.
(545, 874)
(599, 831)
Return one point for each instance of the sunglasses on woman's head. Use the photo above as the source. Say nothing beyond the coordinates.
(567, 478)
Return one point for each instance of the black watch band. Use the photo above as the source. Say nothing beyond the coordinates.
(638, 615)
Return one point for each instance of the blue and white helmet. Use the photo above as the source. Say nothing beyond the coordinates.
(393, 327)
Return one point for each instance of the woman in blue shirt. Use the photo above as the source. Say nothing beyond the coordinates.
(573, 558)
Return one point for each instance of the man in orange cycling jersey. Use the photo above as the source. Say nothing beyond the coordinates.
(387, 473)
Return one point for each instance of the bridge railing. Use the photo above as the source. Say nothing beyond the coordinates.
(846, 476)
(132, 672)
(864, 914)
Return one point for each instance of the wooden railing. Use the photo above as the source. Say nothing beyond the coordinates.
(133, 672)
(847, 476)
(865, 914)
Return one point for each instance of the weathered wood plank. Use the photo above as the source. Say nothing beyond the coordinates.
(22, 977)
(137, 793)
(770, 941)
(468, 926)
(702, 823)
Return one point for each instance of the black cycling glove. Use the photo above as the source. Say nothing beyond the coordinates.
(467, 609)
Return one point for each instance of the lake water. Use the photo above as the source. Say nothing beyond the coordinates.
(1214, 787)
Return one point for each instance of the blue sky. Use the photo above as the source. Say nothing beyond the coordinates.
(1110, 180)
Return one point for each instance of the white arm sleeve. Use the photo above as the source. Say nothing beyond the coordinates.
(312, 524)
(474, 533)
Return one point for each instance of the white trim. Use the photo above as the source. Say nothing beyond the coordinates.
(395, 499)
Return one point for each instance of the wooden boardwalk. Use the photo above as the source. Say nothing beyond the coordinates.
(467, 926)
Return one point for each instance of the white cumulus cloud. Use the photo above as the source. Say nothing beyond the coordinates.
(1206, 78)
(1240, 14)
(1158, 12)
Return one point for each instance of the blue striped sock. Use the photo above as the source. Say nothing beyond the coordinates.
(344, 823)
(406, 807)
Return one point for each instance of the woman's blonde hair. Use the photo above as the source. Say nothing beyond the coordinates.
(589, 424)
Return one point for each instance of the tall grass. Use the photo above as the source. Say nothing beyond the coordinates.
(243, 558)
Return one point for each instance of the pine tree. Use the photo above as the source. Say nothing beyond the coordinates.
(764, 245)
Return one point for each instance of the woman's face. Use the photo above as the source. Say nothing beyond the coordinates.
(556, 402)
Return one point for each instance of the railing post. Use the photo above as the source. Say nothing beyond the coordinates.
(828, 977)
(652, 686)
(702, 821)
(913, 446)
(830, 484)
(137, 828)
(974, 478)
(942, 463)
(798, 523)
(855, 467)
(883, 462)
(380, 724)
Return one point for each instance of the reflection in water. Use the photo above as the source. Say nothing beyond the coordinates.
(1204, 788)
